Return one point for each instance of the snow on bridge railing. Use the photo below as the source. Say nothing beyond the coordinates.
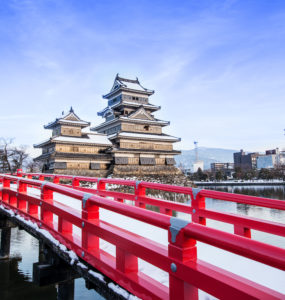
(187, 274)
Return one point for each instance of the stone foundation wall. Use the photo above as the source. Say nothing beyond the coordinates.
(77, 172)
(139, 170)
(160, 174)
(179, 179)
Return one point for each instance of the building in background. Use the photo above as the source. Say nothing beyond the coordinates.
(245, 161)
(281, 158)
(270, 159)
(73, 150)
(198, 165)
(225, 168)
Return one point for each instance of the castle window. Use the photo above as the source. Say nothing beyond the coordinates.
(146, 127)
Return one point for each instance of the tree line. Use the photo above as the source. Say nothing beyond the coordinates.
(239, 174)
(13, 157)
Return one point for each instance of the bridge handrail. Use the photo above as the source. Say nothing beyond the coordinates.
(244, 199)
(268, 254)
(242, 224)
(153, 218)
(247, 222)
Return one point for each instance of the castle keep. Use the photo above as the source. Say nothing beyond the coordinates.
(130, 141)
(71, 150)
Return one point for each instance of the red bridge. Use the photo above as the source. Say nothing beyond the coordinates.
(30, 200)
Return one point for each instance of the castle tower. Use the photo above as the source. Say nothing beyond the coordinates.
(74, 150)
(139, 145)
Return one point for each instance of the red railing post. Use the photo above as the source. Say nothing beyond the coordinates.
(182, 249)
(125, 261)
(29, 176)
(56, 179)
(46, 196)
(1, 181)
(101, 186)
(166, 211)
(75, 182)
(6, 185)
(33, 209)
(19, 173)
(197, 202)
(241, 230)
(64, 227)
(41, 177)
(139, 192)
(12, 198)
(90, 212)
(22, 189)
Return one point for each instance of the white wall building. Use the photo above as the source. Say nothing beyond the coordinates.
(197, 165)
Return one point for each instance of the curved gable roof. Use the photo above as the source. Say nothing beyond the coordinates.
(134, 85)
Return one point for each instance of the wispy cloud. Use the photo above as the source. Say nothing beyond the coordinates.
(215, 66)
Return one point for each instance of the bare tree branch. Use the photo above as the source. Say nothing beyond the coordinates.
(12, 157)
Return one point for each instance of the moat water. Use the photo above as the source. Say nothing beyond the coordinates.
(16, 273)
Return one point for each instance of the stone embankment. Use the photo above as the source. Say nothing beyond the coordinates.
(179, 180)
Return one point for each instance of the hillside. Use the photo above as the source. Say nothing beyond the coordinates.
(207, 155)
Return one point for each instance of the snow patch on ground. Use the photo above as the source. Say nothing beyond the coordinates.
(82, 266)
(117, 289)
(47, 235)
(10, 212)
(62, 247)
(73, 256)
(97, 275)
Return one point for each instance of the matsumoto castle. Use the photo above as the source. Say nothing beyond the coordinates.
(130, 141)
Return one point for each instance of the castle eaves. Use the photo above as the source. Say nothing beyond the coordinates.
(163, 137)
(126, 84)
(126, 119)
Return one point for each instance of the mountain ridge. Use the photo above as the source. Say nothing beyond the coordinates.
(207, 155)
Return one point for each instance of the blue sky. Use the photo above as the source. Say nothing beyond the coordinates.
(218, 67)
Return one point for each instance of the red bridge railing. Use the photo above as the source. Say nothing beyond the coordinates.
(187, 274)
(197, 209)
